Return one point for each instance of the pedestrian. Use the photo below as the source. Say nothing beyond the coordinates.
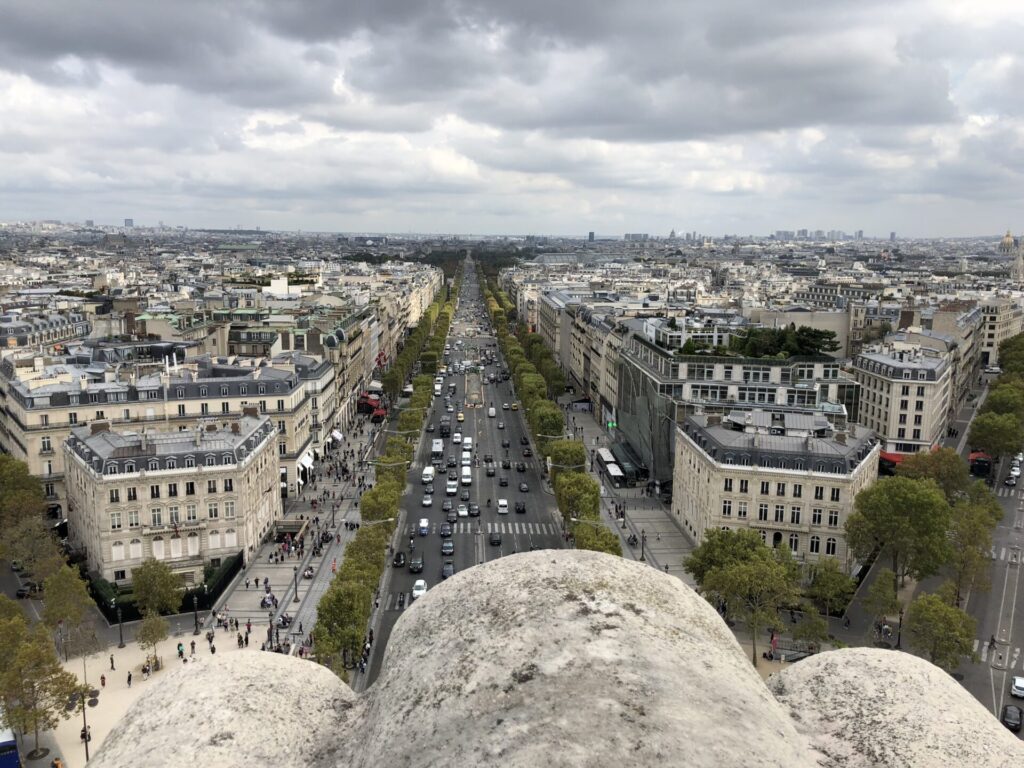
(112, 663)
(246, 583)
(246, 639)
(213, 649)
(103, 681)
(129, 679)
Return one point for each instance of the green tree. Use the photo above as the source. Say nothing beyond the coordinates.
(943, 633)
(152, 632)
(907, 520)
(565, 455)
(1006, 398)
(157, 587)
(812, 628)
(996, 433)
(22, 497)
(944, 466)
(754, 590)
(35, 686)
(392, 382)
(32, 538)
(342, 614)
(577, 495)
(830, 586)
(970, 536)
(597, 538)
(880, 599)
(721, 548)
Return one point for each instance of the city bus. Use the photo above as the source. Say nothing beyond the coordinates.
(602, 458)
(615, 476)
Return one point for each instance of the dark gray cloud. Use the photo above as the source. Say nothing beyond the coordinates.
(553, 112)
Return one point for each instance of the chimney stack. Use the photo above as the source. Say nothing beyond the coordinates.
(96, 427)
(250, 410)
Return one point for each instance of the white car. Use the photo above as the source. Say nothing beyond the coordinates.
(428, 500)
(451, 408)
(463, 510)
(1017, 687)
(457, 438)
(419, 588)
(502, 506)
(1014, 471)
(1019, 458)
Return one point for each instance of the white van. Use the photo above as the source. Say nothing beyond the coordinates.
(491, 412)
(467, 476)
(467, 458)
(428, 475)
(437, 390)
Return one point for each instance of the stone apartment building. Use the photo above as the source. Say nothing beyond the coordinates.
(41, 330)
(1003, 319)
(187, 498)
(45, 399)
(905, 395)
(790, 476)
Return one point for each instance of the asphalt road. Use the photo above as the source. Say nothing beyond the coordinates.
(538, 527)
(996, 610)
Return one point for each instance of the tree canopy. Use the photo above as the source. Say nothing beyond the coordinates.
(783, 342)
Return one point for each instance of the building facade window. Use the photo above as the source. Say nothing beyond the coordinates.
(115, 495)
(115, 521)
(762, 512)
(794, 515)
(833, 518)
(133, 518)
(780, 513)
(815, 545)
(830, 546)
(726, 508)
(794, 542)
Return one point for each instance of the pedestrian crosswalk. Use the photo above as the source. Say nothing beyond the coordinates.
(511, 527)
(999, 655)
(1005, 491)
(1008, 554)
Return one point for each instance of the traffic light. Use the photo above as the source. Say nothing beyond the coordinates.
(612, 425)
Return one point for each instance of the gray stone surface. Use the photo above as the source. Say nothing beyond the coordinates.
(569, 659)
(863, 707)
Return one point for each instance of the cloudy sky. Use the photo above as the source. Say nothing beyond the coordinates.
(517, 116)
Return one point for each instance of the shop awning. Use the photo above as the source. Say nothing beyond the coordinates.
(375, 386)
(284, 470)
(306, 461)
(299, 481)
(338, 437)
(284, 485)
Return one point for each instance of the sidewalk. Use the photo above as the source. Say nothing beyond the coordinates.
(663, 544)
(111, 701)
(243, 601)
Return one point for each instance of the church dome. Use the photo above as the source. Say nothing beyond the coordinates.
(1007, 244)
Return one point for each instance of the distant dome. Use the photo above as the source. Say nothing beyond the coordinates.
(340, 333)
(1007, 244)
(330, 341)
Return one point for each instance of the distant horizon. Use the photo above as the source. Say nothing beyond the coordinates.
(656, 237)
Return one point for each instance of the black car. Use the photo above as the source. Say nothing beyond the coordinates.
(448, 569)
(503, 481)
(490, 470)
(399, 561)
(451, 462)
(447, 547)
(488, 458)
(452, 517)
(520, 466)
(521, 506)
(524, 488)
(505, 443)
(1012, 717)
(429, 488)
(524, 440)
(474, 510)
(445, 530)
(447, 506)
(506, 464)
(495, 539)
(416, 564)
(464, 496)
(527, 452)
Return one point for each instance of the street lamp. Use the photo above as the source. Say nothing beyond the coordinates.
(643, 544)
(295, 577)
(899, 631)
(120, 628)
(195, 612)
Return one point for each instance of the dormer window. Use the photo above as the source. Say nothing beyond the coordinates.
(190, 462)
(154, 465)
(203, 392)
(129, 466)
(211, 461)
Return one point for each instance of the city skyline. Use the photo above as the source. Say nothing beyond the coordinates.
(456, 117)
